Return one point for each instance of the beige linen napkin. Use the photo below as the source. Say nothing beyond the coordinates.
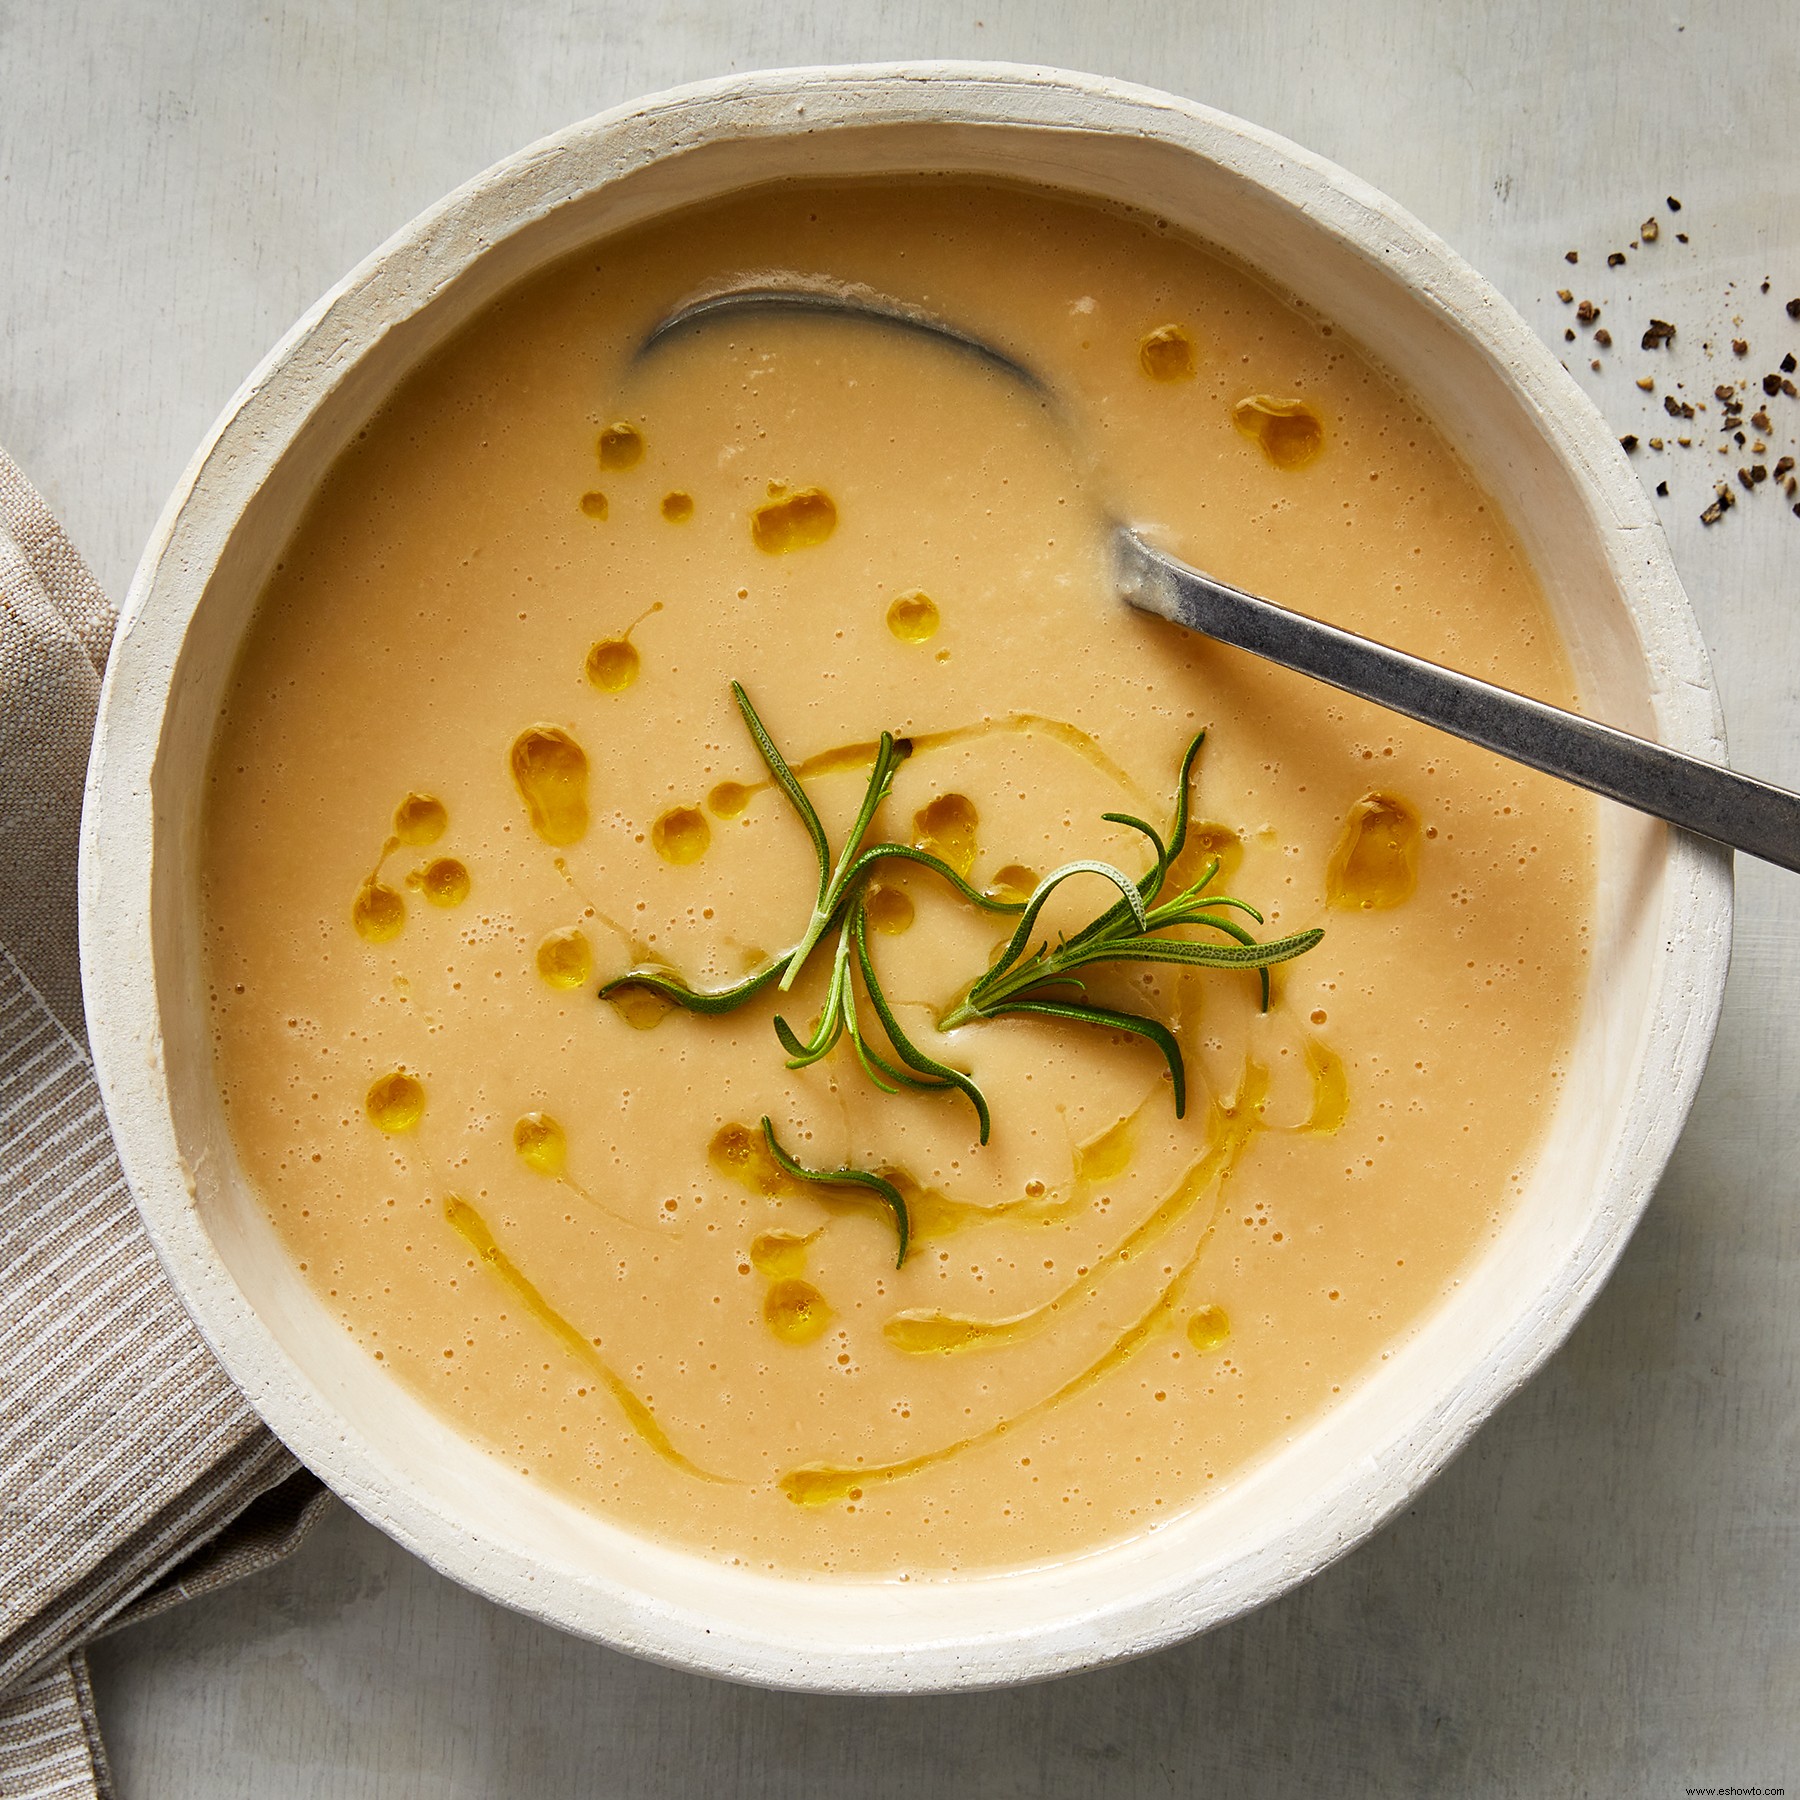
(132, 1473)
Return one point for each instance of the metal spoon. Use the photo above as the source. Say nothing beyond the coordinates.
(1702, 797)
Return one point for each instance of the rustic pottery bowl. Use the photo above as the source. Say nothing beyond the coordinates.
(1661, 936)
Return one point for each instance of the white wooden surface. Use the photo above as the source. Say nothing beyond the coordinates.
(1600, 1597)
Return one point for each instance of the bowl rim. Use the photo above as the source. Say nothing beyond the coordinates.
(119, 834)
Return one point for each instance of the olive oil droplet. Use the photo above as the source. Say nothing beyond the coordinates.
(912, 618)
(564, 958)
(1168, 354)
(681, 835)
(780, 1254)
(541, 1143)
(794, 521)
(946, 827)
(677, 507)
(550, 771)
(593, 504)
(1288, 430)
(796, 1312)
(1014, 883)
(1208, 1328)
(730, 798)
(612, 665)
(741, 1153)
(1205, 840)
(1376, 862)
(641, 1007)
(889, 910)
(620, 446)
(444, 881)
(377, 912)
(395, 1103)
(420, 819)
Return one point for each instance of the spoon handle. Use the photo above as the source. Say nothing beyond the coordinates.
(1699, 796)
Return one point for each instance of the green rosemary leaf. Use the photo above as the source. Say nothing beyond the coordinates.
(701, 1000)
(874, 1065)
(834, 882)
(1245, 954)
(836, 1014)
(787, 781)
(1153, 1029)
(890, 1195)
(878, 853)
(1191, 908)
(1178, 831)
(909, 1052)
(1150, 883)
(1015, 945)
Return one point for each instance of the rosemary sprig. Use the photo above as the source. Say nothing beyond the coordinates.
(838, 1020)
(927, 1071)
(890, 1195)
(673, 986)
(1034, 982)
(834, 878)
(1039, 982)
(840, 878)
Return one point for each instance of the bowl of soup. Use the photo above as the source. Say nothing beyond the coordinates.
(740, 1055)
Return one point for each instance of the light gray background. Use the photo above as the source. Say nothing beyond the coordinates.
(1600, 1597)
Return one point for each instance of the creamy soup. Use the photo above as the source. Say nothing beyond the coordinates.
(482, 757)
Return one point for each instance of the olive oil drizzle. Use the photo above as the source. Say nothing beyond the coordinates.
(840, 759)
(820, 1483)
(474, 1231)
(541, 1144)
(1331, 1089)
(1230, 1129)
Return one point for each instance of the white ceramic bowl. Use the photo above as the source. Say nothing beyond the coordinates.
(1661, 937)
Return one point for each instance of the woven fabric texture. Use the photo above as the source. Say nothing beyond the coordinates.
(132, 1472)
